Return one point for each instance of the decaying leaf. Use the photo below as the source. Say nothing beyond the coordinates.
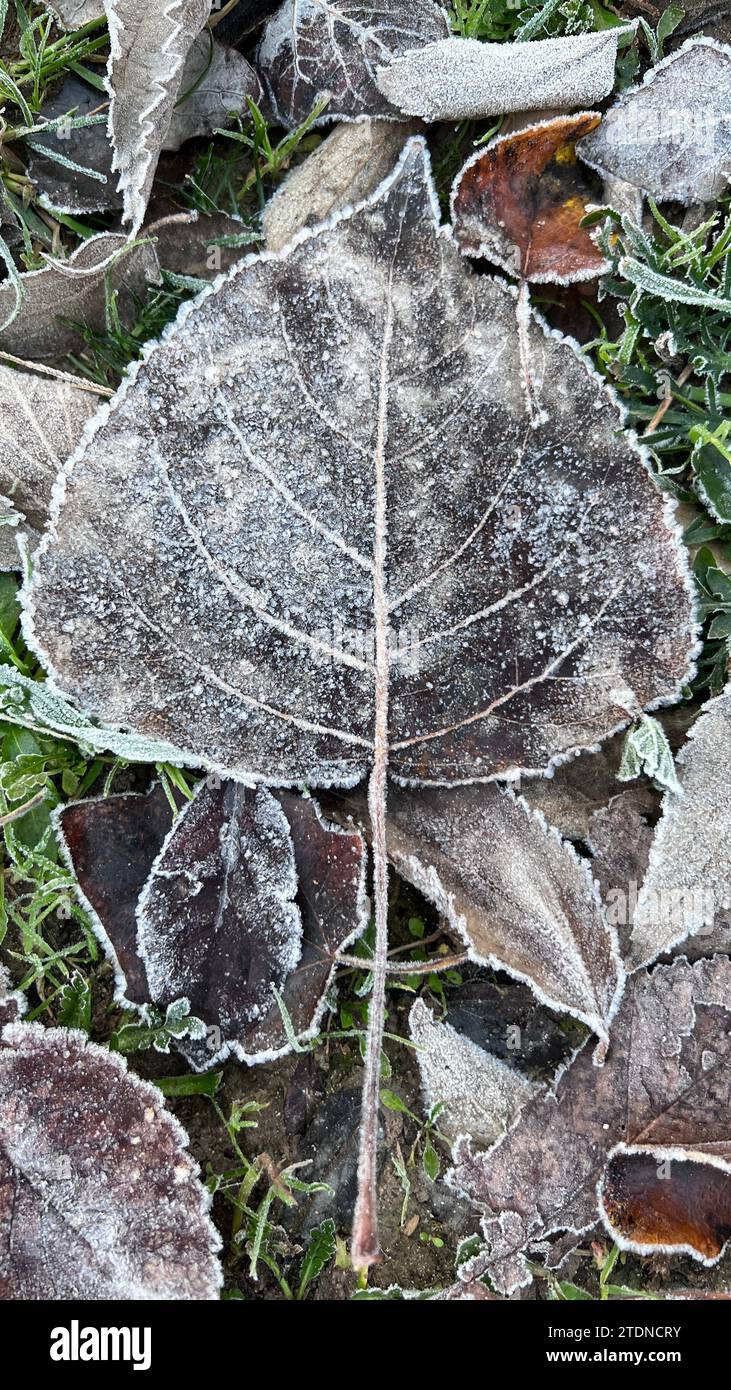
(520, 201)
(519, 897)
(333, 590)
(216, 921)
(578, 788)
(98, 1197)
(619, 838)
(688, 881)
(149, 44)
(651, 1203)
(41, 422)
(346, 168)
(314, 47)
(480, 1096)
(111, 843)
(671, 136)
(69, 189)
(215, 84)
(67, 292)
(665, 1090)
(460, 79)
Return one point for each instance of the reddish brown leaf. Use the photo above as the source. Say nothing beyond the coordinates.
(652, 1203)
(519, 203)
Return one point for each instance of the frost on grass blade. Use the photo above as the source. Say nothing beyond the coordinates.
(517, 895)
(671, 136)
(110, 844)
(98, 1198)
(149, 44)
(520, 201)
(217, 922)
(460, 79)
(687, 890)
(334, 46)
(74, 291)
(479, 1094)
(41, 422)
(215, 84)
(665, 1089)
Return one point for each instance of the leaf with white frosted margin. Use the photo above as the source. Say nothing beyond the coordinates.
(346, 168)
(12, 1003)
(74, 290)
(59, 186)
(111, 843)
(149, 44)
(327, 475)
(519, 896)
(217, 921)
(665, 1089)
(688, 880)
(98, 1197)
(462, 79)
(671, 136)
(312, 47)
(38, 706)
(217, 81)
(73, 14)
(41, 422)
(480, 1095)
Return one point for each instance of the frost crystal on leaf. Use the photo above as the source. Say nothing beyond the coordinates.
(671, 136)
(314, 47)
(461, 79)
(656, 1094)
(520, 898)
(149, 44)
(12, 1002)
(98, 1198)
(72, 14)
(217, 921)
(480, 1095)
(41, 422)
(688, 882)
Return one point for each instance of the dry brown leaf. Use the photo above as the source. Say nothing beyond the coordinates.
(519, 203)
(664, 1091)
(215, 84)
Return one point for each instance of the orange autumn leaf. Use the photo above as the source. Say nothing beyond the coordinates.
(520, 202)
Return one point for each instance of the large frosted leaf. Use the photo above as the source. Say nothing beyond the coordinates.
(671, 136)
(41, 422)
(64, 293)
(98, 1198)
(688, 882)
(456, 79)
(664, 1092)
(328, 490)
(478, 1094)
(513, 890)
(312, 47)
(149, 44)
(237, 487)
(217, 922)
